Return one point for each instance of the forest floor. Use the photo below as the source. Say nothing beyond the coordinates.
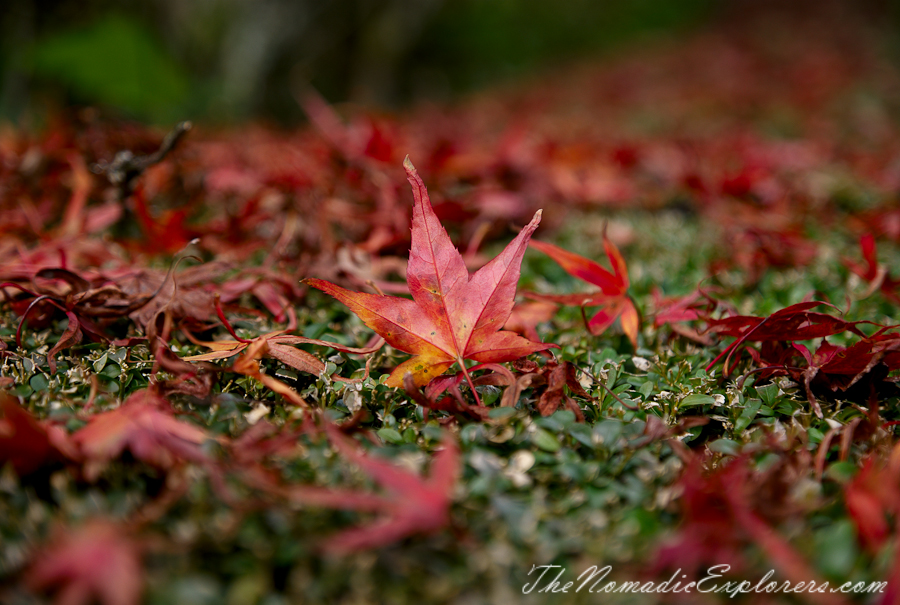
(187, 420)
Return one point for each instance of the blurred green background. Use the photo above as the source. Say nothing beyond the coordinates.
(226, 61)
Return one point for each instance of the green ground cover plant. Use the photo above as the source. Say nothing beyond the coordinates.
(187, 418)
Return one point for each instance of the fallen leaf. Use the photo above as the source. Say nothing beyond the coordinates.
(277, 346)
(455, 405)
(95, 563)
(453, 316)
(550, 380)
(87, 308)
(411, 504)
(142, 426)
(675, 312)
(27, 444)
(835, 369)
(757, 250)
(792, 323)
(871, 497)
(526, 316)
(875, 273)
(725, 509)
(248, 365)
(613, 295)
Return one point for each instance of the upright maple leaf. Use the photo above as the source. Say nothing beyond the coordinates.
(613, 295)
(453, 315)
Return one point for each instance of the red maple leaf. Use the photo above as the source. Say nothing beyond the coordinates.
(792, 323)
(725, 509)
(875, 273)
(96, 563)
(677, 311)
(871, 498)
(613, 295)
(142, 426)
(851, 371)
(526, 316)
(412, 505)
(453, 315)
(27, 444)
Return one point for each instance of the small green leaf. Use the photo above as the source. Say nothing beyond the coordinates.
(557, 421)
(815, 435)
(38, 383)
(768, 394)
(785, 407)
(726, 446)
(767, 461)
(315, 330)
(112, 370)
(697, 399)
(608, 432)
(390, 435)
(545, 441)
(611, 377)
(433, 432)
(285, 373)
(497, 413)
(842, 472)
(692, 433)
(582, 433)
(836, 549)
(564, 417)
(471, 433)
(751, 408)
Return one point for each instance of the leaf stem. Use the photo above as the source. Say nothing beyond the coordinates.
(465, 372)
